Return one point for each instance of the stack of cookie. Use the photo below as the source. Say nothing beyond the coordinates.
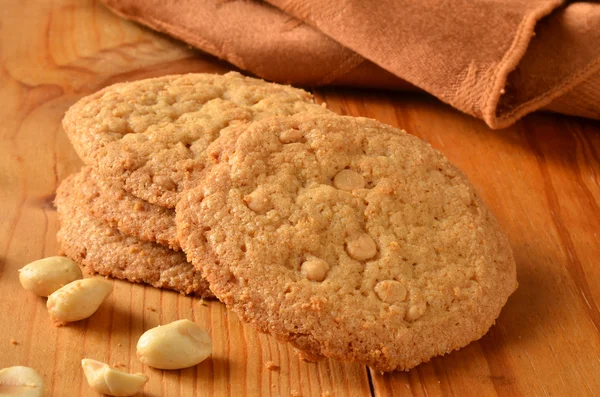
(143, 144)
(344, 236)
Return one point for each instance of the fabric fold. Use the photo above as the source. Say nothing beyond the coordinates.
(495, 60)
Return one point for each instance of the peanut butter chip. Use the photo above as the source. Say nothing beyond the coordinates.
(348, 180)
(361, 247)
(390, 291)
(315, 269)
(416, 311)
(290, 135)
(258, 201)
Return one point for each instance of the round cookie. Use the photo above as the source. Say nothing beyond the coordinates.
(106, 251)
(349, 238)
(149, 136)
(120, 209)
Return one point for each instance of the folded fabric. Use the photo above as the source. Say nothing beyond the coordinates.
(496, 60)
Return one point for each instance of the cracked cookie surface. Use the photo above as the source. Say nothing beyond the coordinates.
(106, 251)
(149, 136)
(349, 238)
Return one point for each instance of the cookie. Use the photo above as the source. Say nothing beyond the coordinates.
(149, 136)
(349, 238)
(107, 251)
(120, 209)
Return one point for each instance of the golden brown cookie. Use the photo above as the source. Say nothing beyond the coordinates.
(107, 251)
(349, 238)
(122, 210)
(149, 136)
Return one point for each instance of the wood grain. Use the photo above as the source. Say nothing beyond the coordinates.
(540, 177)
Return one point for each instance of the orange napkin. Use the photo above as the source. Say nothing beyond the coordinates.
(496, 60)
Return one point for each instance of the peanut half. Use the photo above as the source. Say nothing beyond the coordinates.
(177, 345)
(21, 381)
(45, 276)
(102, 378)
(78, 300)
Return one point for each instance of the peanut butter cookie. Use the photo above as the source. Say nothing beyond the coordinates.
(349, 238)
(149, 136)
(122, 210)
(107, 251)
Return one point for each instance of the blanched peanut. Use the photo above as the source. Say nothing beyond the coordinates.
(177, 345)
(78, 300)
(45, 276)
(21, 381)
(106, 380)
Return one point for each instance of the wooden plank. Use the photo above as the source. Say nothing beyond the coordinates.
(69, 49)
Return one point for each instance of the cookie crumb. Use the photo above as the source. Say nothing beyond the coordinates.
(271, 366)
(14, 342)
(326, 394)
(295, 393)
(150, 308)
(203, 302)
(119, 364)
(119, 345)
(304, 356)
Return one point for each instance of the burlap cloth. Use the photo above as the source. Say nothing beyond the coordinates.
(494, 59)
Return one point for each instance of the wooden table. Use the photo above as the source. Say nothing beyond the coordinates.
(540, 177)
